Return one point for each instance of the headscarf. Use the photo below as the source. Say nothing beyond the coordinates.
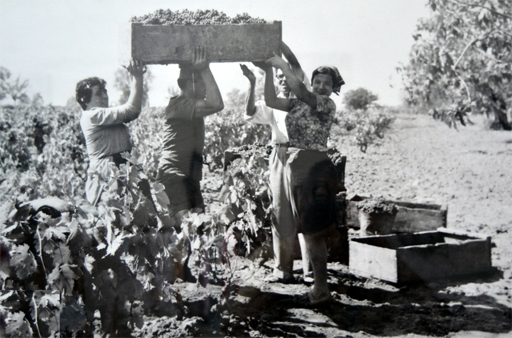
(337, 80)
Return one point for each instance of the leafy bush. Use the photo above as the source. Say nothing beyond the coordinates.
(122, 257)
(228, 129)
(246, 195)
(365, 125)
(42, 151)
(359, 98)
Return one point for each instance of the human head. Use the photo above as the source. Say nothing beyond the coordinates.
(191, 82)
(282, 84)
(84, 90)
(333, 73)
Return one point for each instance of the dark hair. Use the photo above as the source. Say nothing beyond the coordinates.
(337, 80)
(83, 91)
(182, 83)
(186, 74)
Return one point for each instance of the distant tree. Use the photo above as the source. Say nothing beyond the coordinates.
(37, 100)
(463, 52)
(235, 98)
(16, 89)
(122, 82)
(22, 98)
(71, 104)
(359, 98)
(5, 74)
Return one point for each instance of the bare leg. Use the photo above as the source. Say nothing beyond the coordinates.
(318, 253)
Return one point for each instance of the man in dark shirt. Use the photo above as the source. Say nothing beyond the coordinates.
(180, 167)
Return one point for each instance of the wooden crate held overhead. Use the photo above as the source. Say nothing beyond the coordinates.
(164, 44)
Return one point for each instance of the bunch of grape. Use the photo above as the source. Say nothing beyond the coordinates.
(199, 17)
(248, 150)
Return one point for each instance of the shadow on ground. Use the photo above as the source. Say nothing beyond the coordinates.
(359, 307)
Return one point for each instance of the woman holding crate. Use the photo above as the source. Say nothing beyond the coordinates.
(104, 128)
(303, 180)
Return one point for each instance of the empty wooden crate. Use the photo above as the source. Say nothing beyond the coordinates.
(424, 256)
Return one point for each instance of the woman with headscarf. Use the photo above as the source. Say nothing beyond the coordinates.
(303, 180)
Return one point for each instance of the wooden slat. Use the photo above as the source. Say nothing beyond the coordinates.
(373, 262)
(425, 256)
(443, 260)
(164, 44)
(411, 217)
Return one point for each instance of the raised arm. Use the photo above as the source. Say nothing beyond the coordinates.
(213, 102)
(250, 108)
(271, 99)
(136, 69)
(126, 112)
(292, 60)
(298, 88)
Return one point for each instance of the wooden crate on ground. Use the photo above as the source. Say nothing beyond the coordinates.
(424, 256)
(411, 217)
(164, 44)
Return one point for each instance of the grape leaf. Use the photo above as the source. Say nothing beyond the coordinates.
(59, 232)
(23, 261)
(63, 278)
(50, 299)
(116, 243)
(17, 325)
(48, 308)
(62, 254)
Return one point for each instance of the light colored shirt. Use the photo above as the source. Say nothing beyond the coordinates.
(105, 132)
(272, 117)
(105, 135)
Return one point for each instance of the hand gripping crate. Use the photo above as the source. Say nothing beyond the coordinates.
(164, 44)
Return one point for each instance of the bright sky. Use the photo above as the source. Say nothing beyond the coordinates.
(55, 44)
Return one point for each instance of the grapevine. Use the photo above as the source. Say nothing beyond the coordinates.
(366, 125)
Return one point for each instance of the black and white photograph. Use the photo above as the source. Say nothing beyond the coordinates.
(256, 168)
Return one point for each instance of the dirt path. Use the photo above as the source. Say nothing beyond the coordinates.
(419, 160)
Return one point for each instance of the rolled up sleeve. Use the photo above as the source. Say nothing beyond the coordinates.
(114, 115)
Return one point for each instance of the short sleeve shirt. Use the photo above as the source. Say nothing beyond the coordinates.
(309, 128)
(105, 131)
(272, 117)
(184, 135)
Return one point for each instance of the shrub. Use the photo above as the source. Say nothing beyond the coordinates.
(359, 98)
(365, 125)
